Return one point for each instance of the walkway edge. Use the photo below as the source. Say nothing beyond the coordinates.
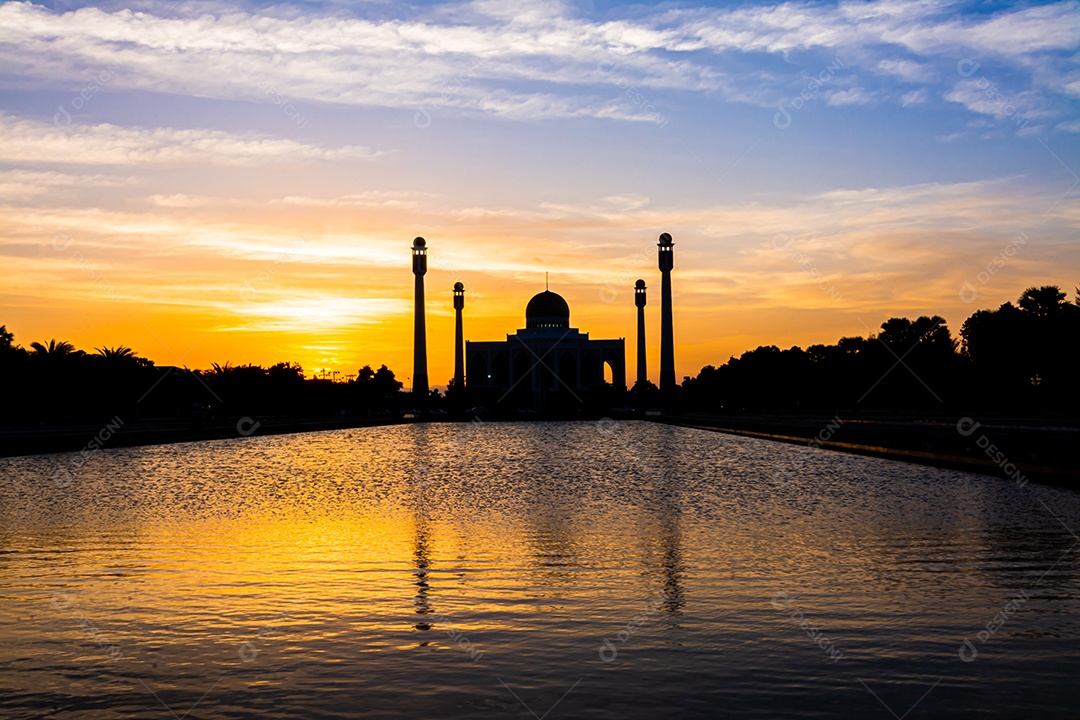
(1065, 477)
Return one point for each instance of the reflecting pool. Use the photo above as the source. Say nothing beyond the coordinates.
(512, 570)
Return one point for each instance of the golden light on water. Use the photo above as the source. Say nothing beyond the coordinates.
(503, 561)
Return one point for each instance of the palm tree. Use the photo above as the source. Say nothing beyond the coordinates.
(7, 338)
(221, 370)
(1042, 301)
(55, 348)
(118, 353)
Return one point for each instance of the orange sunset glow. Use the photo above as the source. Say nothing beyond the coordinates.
(325, 282)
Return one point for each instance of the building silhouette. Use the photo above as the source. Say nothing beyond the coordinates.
(420, 374)
(639, 301)
(666, 261)
(459, 337)
(547, 363)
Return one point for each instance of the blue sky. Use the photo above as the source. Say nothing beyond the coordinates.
(899, 146)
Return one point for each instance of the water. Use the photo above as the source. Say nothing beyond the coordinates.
(627, 570)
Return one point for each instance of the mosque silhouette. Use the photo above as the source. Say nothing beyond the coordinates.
(546, 356)
(547, 362)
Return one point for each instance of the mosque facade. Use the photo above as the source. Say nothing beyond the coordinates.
(547, 362)
(545, 359)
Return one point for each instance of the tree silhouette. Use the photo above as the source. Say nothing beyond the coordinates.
(286, 372)
(1017, 359)
(57, 383)
(118, 353)
(221, 371)
(644, 395)
(1045, 301)
(55, 348)
(925, 333)
(1025, 352)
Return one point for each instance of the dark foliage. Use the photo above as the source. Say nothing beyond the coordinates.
(53, 383)
(1015, 360)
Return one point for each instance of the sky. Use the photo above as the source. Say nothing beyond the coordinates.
(210, 182)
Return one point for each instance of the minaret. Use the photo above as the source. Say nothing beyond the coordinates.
(419, 267)
(666, 259)
(639, 300)
(459, 339)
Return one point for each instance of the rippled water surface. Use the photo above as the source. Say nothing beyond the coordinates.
(623, 570)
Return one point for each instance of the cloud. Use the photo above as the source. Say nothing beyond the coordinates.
(306, 311)
(915, 97)
(27, 141)
(854, 96)
(19, 185)
(516, 61)
(183, 200)
(333, 275)
(907, 70)
(953, 137)
(1017, 33)
(252, 235)
(982, 96)
(371, 198)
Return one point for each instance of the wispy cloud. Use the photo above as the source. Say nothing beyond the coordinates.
(986, 98)
(521, 62)
(287, 282)
(599, 232)
(854, 96)
(915, 97)
(19, 185)
(907, 70)
(28, 141)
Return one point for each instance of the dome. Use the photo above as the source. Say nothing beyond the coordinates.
(547, 309)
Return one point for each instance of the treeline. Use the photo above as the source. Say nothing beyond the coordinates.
(1020, 359)
(55, 383)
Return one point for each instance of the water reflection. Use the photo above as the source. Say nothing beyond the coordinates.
(421, 478)
(298, 575)
(421, 602)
